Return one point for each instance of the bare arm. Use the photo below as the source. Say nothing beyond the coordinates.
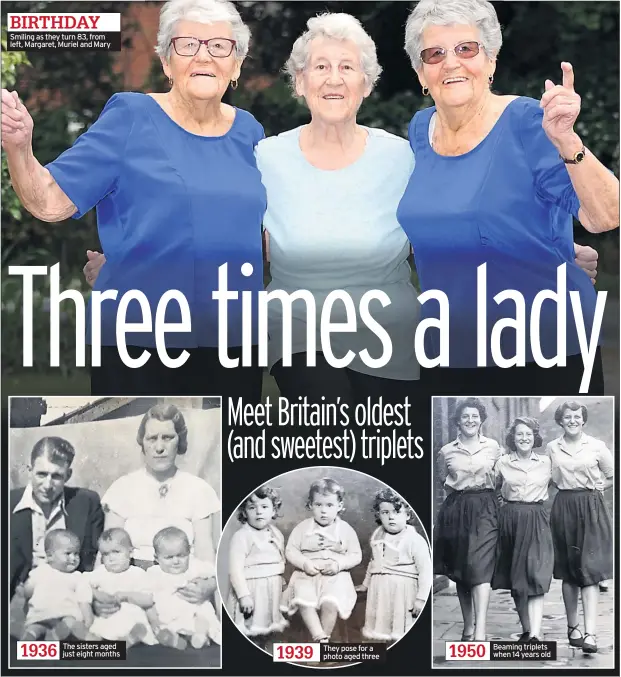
(142, 599)
(34, 185)
(596, 187)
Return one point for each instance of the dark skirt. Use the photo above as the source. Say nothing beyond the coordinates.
(525, 553)
(465, 537)
(582, 535)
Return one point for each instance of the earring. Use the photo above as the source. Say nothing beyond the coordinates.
(491, 79)
(170, 81)
(425, 90)
(233, 84)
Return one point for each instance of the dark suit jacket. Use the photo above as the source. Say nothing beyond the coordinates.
(84, 517)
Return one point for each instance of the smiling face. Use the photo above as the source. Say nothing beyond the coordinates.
(333, 82)
(455, 82)
(572, 422)
(469, 422)
(259, 512)
(202, 77)
(524, 439)
(159, 445)
(394, 521)
(325, 508)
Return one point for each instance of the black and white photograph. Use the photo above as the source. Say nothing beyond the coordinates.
(523, 539)
(326, 555)
(115, 518)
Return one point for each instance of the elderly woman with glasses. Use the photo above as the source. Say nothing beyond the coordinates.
(178, 194)
(582, 469)
(496, 183)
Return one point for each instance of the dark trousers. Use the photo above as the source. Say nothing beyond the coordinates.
(201, 375)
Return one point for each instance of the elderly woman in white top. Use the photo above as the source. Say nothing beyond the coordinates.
(582, 469)
(159, 495)
(333, 188)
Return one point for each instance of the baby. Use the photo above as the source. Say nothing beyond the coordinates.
(59, 596)
(119, 581)
(172, 617)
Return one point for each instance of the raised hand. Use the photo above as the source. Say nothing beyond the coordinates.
(16, 122)
(93, 266)
(561, 107)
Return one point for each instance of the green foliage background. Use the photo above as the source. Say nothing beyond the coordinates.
(66, 91)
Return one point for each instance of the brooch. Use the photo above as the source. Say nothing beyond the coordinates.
(163, 490)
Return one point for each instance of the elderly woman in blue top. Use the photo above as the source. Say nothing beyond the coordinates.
(582, 469)
(178, 194)
(497, 181)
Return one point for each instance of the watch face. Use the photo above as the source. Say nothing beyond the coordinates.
(579, 156)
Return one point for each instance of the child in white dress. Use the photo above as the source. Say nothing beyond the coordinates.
(127, 584)
(59, 597)
(173, 618)
(322, 549)
(257, 565)
(399, 575)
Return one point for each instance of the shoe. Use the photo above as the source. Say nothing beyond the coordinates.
(467, 638)
(524, 637)
(533, 639)
(603, 587)
(574, 641)
(589, 646)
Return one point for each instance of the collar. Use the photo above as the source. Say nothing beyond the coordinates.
(534, 456)
(27, 502)
(584, 440)
(481, 439)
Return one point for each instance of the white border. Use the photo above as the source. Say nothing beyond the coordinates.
(116, 665)
(319, 468)
(498, 665)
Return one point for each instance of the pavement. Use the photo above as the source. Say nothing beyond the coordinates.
(503, 624)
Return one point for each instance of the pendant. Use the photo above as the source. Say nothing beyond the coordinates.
(163, 490)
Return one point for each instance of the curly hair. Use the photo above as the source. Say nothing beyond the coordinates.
(166, 412)
(389, 496)
(531, 423)
(325, 486)
(469, 403)
(572, 405)
(261, 493)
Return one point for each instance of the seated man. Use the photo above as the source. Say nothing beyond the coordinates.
(46, 504)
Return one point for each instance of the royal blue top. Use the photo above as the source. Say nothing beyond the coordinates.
(172, 207)
(507, 203)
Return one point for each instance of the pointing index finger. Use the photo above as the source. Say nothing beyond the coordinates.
(568, 75)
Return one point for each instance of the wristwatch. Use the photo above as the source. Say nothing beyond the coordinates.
(576, 159)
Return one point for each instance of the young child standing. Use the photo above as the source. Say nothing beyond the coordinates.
(322, 549)
(257, 565)
(399, 575)
(172, 617)
(59, 596)
(127, 584)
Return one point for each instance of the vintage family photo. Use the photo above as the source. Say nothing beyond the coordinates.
(523, 537)
(324, 554)
(114, 524)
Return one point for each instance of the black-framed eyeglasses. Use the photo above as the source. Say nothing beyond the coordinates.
(219, 48)
(464, 50)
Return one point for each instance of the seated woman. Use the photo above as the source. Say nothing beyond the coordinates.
(159, 495)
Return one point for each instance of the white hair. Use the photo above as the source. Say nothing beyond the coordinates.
(336, 26)
(479, 13)
(201, 11)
